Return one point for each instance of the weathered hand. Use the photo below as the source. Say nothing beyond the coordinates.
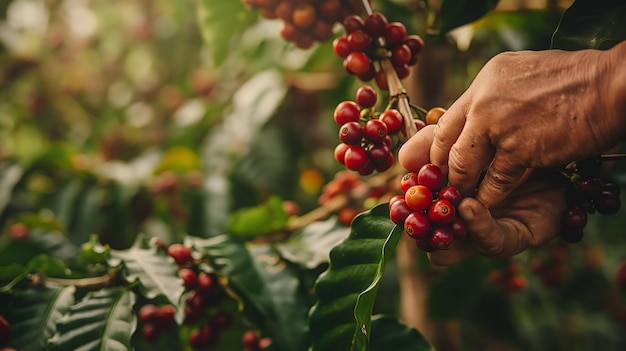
(530, 216)
(530, 109)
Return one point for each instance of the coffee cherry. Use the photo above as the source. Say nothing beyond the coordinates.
(195, 300)
(189, 277)
(392, 119)
(399, 211)
(433, 115)
(250, 339)
(441, 212)
(395, 34)
(166, 316)
(340, 152)
(379, 154)
(394, 199)
(353, 23)
(357, 63)
(608, 203)
(450, 193)
(303, 16)
(202, 338)
(402, 70)
(417, 225)
(346, 111)
(431, 176)
(359, 40)
(180, 253)
(401, 55)
(207, 282)
(356, 158)
(341, 47)
(375, 131)
(590, 188)
(575, 218)
(459, 229)
(148, 313)
(415, 44)
(408, 180)
(366, 96)
(351, 133)
(441, 238)
(375, 25)
(419, 198)
(150, 332)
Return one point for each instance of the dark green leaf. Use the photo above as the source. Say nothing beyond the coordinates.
(33, 314)
(346, 293)
(38, 242)
(445, 301)
(311, 246)
(267, 285)
(220, 21)
(48, 266)
(389, 334)
(263, 219)
(597, 24)
(155, 271)
(103, 320)
(455, 13)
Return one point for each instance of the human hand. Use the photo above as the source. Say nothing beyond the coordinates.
(526, 110)
(529, 217)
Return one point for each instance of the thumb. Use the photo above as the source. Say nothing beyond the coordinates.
(500, 179)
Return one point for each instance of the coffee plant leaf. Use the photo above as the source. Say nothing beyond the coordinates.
(455, 13)
(10, 275)
(102, 320)
(265, 218)
(33, 314)
(220, 21)
(310, 247)
(586, 24)
(341, 317)
(89, 217)
(153, 269)
(389, 334)
(267, 285)
(53, 244)
(48, 266)
(444, 300)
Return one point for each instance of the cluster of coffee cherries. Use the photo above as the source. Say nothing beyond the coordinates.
(204, 294)
(359, 194)
(156, 320)
(427, 210)
(305, 21)
(509, 279)
(552, 269)
(587, 194)
(252, 341)
(365, 134)
(366, 42)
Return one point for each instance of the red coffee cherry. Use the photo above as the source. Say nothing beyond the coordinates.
(347, 111)
(375, 25)
(431, 176)
(340, 152)
(442, 212)
(148, 313)
(180, 253)
(607, 203)
(459, 229)
(352, 23)
(408, 180)
(356, 158)
(341, 47)
(366, 96)
(375, 131)
(441, 238)
(359, 40)
(417, 225)
(575, 218)
(395, 35)
(351, 133)
(207, 282)
(357, 63)
(150, 332)
(189, 277)
(393, 119)
(166, 316)
(450, 193)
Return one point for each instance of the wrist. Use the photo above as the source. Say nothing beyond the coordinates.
(616, 88)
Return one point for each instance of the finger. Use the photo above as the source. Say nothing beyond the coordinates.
(447, 131)
(415, 152)
(491, 237)
(501, 178)
(469, 156)
(458, 251)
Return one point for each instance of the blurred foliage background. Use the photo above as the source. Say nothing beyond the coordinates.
(154, 116)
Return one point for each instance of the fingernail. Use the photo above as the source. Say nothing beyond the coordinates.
(466, 212)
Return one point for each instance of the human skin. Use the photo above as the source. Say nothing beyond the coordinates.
(524, 110)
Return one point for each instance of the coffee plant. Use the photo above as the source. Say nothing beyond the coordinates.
(222, 175)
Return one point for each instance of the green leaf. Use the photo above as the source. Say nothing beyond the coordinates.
(597, 24)
(455, 13)
(310, 247)
(341, 318)
(103, 320)
(469, 276)
(268, 286)
(389, 334)
(258, 220)
(33, 314)
(220, 21)
(48, 266)
(155, 271)
(38, 242)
